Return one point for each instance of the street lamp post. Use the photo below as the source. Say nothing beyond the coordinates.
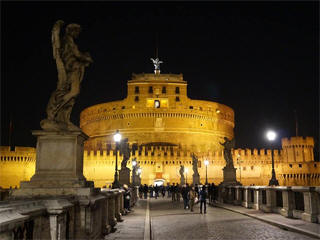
(117, 139)
(271, 136)
(206, 162)
(186, 171)
(134, 172)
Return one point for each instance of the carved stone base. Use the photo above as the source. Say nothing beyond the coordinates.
(196, 179)
(182, 182)
(229, 175)
(59, 166)
(124, 176)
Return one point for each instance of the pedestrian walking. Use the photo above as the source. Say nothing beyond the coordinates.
(163, 191)
(145, 191)
(192, 197)
(156, 191)
(173, 194)
(196, 188)
(203, 199)
(168, 188)
(184, 192)
(178, 192)
(140, 191)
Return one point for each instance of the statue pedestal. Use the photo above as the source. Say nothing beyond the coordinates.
(182, 182)
(59, 166)
(196, 179)
(229, 179)
(124, 176)
(229, 175)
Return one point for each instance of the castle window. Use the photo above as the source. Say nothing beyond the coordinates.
(244, 168)
(164, 90)
(150, 89)
(177, 99)
(136, 90)
(128, 124)
(201, 124)
(200, 108)
(290, 165)
(114, 108)
(300, 165)
(191, 107)
(123, 107)
(315, 165)
(156, 103)
(177, 90)
(136, 99)
(251, 167)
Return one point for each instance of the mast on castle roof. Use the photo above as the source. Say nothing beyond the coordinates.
(156, 62)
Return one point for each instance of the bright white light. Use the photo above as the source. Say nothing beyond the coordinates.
(117, 136)
(134, 163)
(206, 162)
(186, 170)
(139, 171)
(271, 135)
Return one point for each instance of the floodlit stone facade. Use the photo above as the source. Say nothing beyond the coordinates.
(164, 127)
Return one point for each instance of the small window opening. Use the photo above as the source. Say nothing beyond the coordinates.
(150, 90)
(164, 90)
(136, 90)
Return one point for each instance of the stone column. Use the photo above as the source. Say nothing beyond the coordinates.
(270, 199)
(311, 205)
(237, 201)
(57, 209)
(257, 199)
(287, 201)
(112, 221)
(244, 202)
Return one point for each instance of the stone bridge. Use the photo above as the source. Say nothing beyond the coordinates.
(235, 212)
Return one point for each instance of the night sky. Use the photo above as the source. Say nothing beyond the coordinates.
(261, 59)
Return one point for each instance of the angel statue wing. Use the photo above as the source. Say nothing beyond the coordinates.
(56, 46)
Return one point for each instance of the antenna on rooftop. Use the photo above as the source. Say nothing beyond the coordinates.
(296, 120)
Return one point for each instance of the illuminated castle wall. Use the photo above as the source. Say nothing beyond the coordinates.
(164, 127)
(294, 165)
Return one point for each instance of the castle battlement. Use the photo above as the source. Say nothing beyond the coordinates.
(21, 154)
(297, 142)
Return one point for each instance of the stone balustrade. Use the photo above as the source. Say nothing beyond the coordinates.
(61, 217)
(293, 202)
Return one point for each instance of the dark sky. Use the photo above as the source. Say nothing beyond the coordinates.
(261, 59)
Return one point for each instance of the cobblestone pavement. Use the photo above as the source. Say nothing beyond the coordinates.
(170, 221)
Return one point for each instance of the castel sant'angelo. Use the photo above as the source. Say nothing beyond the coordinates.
(164, 128)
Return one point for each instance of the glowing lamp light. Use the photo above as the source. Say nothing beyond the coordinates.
(139, 171)
(186, 170)
(134, 163)
(217, 111)
(271, 135)
(206, 162)
(117, 136)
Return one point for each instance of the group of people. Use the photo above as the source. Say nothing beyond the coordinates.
(191, 195)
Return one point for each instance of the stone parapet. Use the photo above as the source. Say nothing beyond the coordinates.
(60, 217)
(292, 202)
